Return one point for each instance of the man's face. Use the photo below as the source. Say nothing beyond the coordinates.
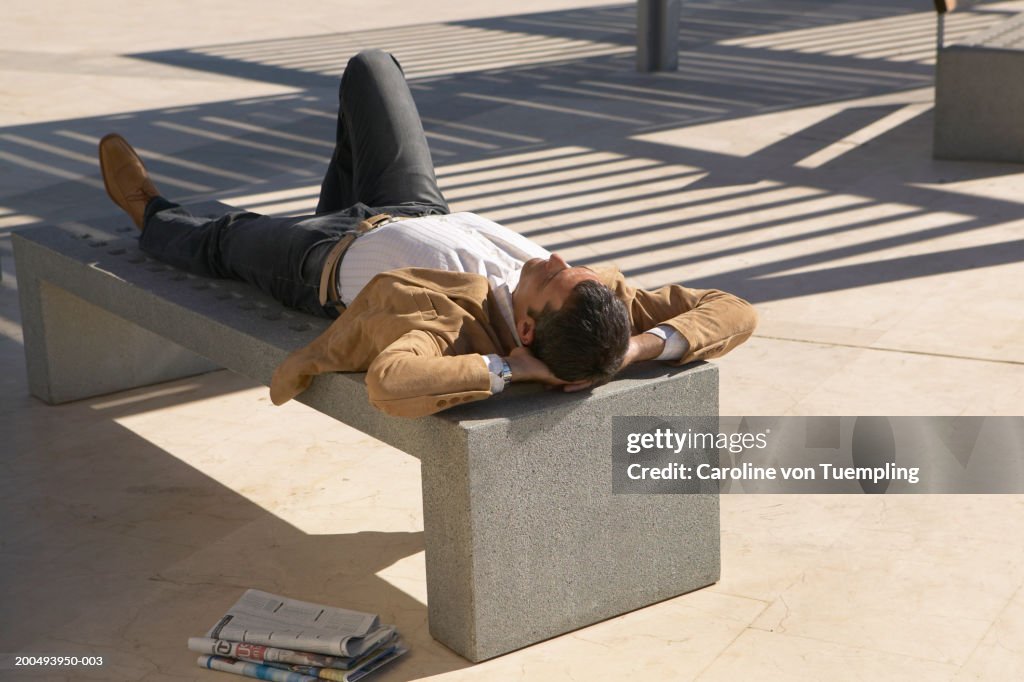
(544, 284)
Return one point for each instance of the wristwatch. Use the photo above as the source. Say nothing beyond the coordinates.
(500, 371)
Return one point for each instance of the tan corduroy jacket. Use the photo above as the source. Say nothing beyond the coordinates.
(419, 335)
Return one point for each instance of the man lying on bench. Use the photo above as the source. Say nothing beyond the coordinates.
(439, 309)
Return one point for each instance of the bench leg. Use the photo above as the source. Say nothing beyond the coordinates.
(657, 35)
(75, 350)
(526, 541)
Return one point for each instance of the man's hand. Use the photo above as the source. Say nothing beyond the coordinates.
(526, 367)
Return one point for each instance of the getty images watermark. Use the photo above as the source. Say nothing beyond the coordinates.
(818, 454)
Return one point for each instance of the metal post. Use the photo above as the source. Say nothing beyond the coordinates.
(657, 35)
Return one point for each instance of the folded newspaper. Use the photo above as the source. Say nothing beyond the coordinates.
(257, 653)
(275, 638)
(276, 674)
(264, 618)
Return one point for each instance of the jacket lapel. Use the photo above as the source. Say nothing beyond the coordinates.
(473, 293)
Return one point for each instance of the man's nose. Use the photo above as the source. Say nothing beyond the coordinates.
(556, 263)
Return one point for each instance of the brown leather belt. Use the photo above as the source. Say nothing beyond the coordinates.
(329, 294)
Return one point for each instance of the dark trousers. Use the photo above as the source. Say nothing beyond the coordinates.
(381, 164)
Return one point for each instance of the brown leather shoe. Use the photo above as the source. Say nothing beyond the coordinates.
(125, 177)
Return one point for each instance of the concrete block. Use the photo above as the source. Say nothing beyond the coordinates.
(76, 350)
(524, 532)
(524, 538)
(979, 96)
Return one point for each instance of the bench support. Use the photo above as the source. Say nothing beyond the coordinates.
(76, 350)
(525, 539)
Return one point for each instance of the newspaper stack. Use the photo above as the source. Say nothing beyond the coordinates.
(268, 637)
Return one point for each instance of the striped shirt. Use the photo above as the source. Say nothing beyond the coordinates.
(458, 242)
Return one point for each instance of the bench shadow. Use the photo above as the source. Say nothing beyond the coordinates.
(100, 523)
(131, 529)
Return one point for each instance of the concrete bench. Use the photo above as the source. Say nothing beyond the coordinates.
(524, 538)
(979, 96)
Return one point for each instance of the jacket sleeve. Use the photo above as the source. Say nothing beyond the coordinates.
(413, 377)
(712, 322)
(295, 374)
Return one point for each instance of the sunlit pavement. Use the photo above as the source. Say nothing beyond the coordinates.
(788, 160)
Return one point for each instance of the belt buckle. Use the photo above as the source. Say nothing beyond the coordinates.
(373, 222)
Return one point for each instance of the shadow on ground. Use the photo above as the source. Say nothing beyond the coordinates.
(549, 105)
(560, 87)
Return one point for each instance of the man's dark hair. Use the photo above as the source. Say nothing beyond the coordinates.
(586, 338)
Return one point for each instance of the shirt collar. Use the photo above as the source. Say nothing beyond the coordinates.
(503, 297)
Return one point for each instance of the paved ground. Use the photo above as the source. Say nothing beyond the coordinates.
(788, 160)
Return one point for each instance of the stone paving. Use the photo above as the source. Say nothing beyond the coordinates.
(789, 161)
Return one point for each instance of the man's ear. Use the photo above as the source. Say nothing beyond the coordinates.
(525, 327)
